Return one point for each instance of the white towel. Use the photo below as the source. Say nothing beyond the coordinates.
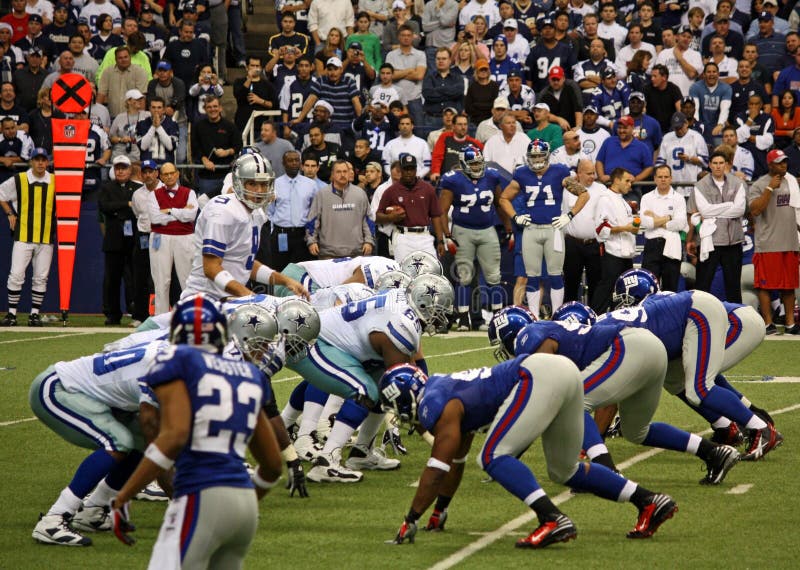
(706, 233)
(672, 245)
(794, 191)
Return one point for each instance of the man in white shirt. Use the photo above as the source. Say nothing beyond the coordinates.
(685, 65)
(663, 220)
(407, 143)
(685, 151)
(486, 8)
(609, 29)
(140, 204)
(743, 163)
(625, 55)
(383, 233)
(592, 136)
(507, 147)
(326, 14)
(570, 153)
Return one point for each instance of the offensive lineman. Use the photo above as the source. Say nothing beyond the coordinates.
(318, 274)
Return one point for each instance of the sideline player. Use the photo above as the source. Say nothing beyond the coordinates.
(523, 399)
(542, 221)
(213, 516)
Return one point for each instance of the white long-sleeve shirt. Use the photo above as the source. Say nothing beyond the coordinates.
(613, 210)
(669, 204)
(158, 218)
(326, 14)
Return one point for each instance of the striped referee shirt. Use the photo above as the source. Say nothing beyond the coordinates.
(339, 95)
(35, 202)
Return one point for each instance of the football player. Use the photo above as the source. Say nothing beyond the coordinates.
(472, 192)
(521, 400)
(542, 221)
(322, 273)
(213, 491)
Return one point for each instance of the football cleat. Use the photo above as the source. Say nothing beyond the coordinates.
(91, 519)
(55, 529)
(329, 469)
(391, 437)
(761, 441)
(763, 414)
(307, 446)
(9, 321)
(721, 460)
(730, 435)
(35, 320)
(463, 322)
(558, 529)
(365, 459)
(658, 509)
(153, 492)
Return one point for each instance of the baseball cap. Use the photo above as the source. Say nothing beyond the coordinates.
(334, 61)
(626, 120)
(590, 109)
(398, 4)
(38, 151)
(378, 101)
(34, 18)
(190, 8)
(557, 72)
(545, 22)
(765, 16)
(121, 159)
(149, 164)
(684, 30)
(773, 2)
(543, 106)
(35, 51)
(678, 120)
(374, 165)
(408, 161)
(325, 105)
(355, 45)
(450, 110)
(510, 23)
(165, 65)
(637, 95)
(501, 38)
(776, 155)
(687, 100)
(481, 64)
(145, 7)
(500, 103)
(6, 26)
(514, 73)
(608, 72)
(134, 94)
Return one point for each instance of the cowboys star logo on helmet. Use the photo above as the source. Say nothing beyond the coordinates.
(253, 180)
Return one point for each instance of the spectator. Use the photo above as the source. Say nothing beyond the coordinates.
(686, 153)
(357, 68)
(409, 71)
(9, 55)
(376, 125)
(17, 19)
(333, 47)
(93, 10)
(732, 39)
(590, 24)
(338, 219)
(370, 179)
(662, 97)
(608, 27)
(481, 94)
(370, 42)
(325, 152)
(769, 41)
(788, 78)
(187, 54)
(773, 202)
(543, 129)
(786, 117)
(760, 73)
(273, 148)
(569, 153)
(407, 143)
(157, 135)
(383, 232)
(116, 81)
(172, 210)
(591, 135)
(361, 156)
(755, 133)
(611, 99)
(288, 36)
(793, 154)
(518, 46)
(645, 128)
(501, 63)
(713, 98)
(60, 29)
(98, 155)
(207, 84)
(464, 56)
(215, 141)
(792, 42)
(508, 146)
(636, 159)
(41, 131)
(547, 53)
(587, 73)
(322, 118)
(15, 146)
(173, 91)
(299, 8)
(448, 115)
(684, 64)
(142, 280)
(491, 126)
(563, 96)
(412, 206)
(253, 93)
(742, 161)
(727, 66)
(136, 44)
(743, 88)
(769, 10)
(32, 242)
(102, 38)
(663, 219)
(475, 8)
(326, 14)
(521, 98)
(377, 12)
(114, 202)
(638, 74)
(310, 170)
(10, 108)
(441, 88)
(337, 90)
(122, 134)
(616, 230)
(635, 43)
(448, 149)
(386, 91)
(29, 79)
(390, 40)
(719, 202)
(439, 24)
(150, 24)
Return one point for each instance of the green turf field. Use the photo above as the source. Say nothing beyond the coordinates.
(747, 522)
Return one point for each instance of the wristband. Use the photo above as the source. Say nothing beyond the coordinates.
(222, 279)
(261, 483)
(434, 463)
(770, 188)
(460, 460)
(263, 274)
(154, 454)
(570, 215)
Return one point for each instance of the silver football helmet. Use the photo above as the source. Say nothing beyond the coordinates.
(392, 280)
(253, 167)
(299, 324)
(431, 298)
(419, 263)
(254, 330)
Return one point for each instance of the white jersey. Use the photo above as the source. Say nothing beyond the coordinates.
(526, 94)
(229, 230)
(591, 142)
(340, 295)
(412, 145)
(560, 156)
(386, 95)
(91, 11)
(348, 327)
(691, 144)
(676, 73)
(267, 301)
(374, 266)
(331, 272)
(112, 378)
(744, 162)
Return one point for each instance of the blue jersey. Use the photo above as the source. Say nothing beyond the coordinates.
(499, 70)
(226, 397)
(473, 200)
(614, 104)
(542, 59)
(663, 314)
(582, 344)
(299, 92)
(481, 391)
(543, 193)
(710, 102)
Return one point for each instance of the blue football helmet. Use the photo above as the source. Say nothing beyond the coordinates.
(538, 154)
(400, 387)
(575, 312)
(472, 163)
(633, 287)
(198, 321)
(504, 328)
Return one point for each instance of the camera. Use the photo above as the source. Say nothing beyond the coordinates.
(467, 35)
(208, 76)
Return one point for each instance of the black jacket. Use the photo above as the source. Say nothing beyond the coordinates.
(114, 202)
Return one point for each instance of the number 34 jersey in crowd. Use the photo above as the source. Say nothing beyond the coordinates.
(226, 397)
(347, 327)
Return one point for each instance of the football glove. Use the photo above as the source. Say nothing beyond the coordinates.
(562, 221)
(391, 437)
(408, 530)
(522, 220)
(508, 241)
(121, 524)
(450, 245)
(437, 520)
(297, 479)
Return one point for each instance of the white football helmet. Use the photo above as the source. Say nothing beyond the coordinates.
(392, 280)
(253, 167)
(431, 298)
(299, 324)
(420, 262)
(254, 330)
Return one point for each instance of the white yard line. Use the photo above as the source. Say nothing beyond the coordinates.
(14, 422)
(492, 537)
(740, 489)
(48, 337)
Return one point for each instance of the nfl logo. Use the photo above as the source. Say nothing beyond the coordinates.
(69, 131)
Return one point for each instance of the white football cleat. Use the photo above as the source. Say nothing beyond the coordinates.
(366, 459)
(55, 529)
(91, 519)
(328, 468)
(153, 492)
(307, 447)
